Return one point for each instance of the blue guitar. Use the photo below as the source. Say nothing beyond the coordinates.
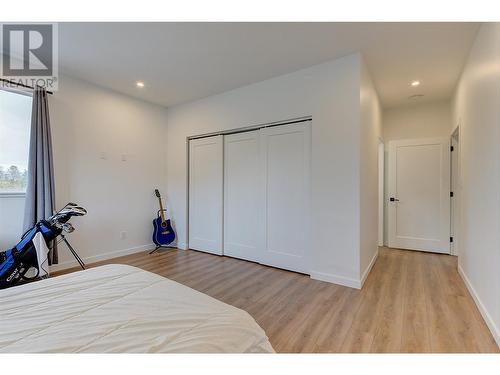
(163, 233)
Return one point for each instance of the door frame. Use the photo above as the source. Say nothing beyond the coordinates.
(381, 191)
(391, 185)
(455, 187)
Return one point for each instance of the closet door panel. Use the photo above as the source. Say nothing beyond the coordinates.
(243, 196)
(286, 163)
(206, 194)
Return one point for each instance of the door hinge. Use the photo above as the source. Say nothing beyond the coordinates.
(451, 239)
(452, 148)
(451, 194)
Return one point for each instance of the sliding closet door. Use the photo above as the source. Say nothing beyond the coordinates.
(205, 194)
(286, 164)
(243, 196)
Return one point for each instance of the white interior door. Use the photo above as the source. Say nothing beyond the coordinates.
(286, 167)
(419, 191)
(243, 196)
(205, 194)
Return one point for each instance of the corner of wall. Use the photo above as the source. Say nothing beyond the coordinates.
(84, 118)
(367, 270)
(370, 125)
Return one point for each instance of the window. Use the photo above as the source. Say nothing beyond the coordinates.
(15, 120)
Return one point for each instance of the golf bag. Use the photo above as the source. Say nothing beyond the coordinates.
(16, 262)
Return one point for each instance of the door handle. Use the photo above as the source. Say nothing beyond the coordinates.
(392, 199)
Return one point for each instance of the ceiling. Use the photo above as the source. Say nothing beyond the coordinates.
(180, 62)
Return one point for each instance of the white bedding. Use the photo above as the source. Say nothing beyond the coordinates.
(118, 308)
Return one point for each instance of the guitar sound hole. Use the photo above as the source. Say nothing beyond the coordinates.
(164, 225)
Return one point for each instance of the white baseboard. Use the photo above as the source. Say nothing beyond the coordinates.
(336, 279)
(100, 257)
(482, 309)
(369, 268)
(182, 246)
(343, 280)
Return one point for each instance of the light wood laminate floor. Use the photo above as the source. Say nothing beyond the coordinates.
(411, 302)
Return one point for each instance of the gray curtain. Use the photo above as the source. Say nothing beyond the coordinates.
(40, 194)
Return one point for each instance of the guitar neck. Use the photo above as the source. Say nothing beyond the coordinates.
(162, 213)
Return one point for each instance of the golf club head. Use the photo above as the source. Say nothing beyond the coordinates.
(68, 228)
(73, 211)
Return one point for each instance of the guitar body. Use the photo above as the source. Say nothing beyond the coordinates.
(163, 233)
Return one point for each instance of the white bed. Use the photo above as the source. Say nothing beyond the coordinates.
(118, 308)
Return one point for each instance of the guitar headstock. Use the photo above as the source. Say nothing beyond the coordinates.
(157, 193)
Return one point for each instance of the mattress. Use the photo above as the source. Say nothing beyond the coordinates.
(119, 308)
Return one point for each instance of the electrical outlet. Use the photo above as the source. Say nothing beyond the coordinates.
(123, 235)
(103, 155)
(124, 157)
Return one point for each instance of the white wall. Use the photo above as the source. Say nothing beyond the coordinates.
(476, 108)
(370, 133)
(329, 93)
(416, 120)
(88, 120)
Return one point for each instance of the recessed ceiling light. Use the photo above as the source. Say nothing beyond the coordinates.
(140, 84)
(415, 83)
